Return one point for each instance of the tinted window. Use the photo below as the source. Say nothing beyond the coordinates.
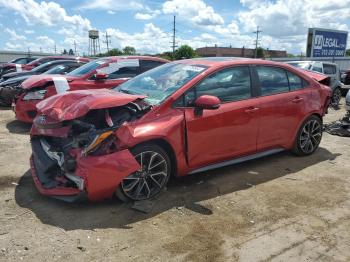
(295, 82)
(20, 61)
(124, 72)
(88, 68)
(329, 69)
(317, 69)
(149, 64)
(273, 80)
(58, 69)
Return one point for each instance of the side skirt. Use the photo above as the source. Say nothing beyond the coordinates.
(237, 160)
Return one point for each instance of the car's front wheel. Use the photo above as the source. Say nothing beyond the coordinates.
(151, 178)
(309, 136)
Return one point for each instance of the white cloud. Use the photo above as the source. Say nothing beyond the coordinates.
(14, 36)
(195, 10)
(114, 5)
(29, 32)
(48, 14)
(110, 12)
(147, 14)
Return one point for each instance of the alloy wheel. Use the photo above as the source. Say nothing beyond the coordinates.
(149, 180)
(310, 136)
(336, 97)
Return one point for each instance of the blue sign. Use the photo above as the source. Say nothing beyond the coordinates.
(329, 44)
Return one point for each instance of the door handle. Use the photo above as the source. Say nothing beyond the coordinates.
(297, 99)
(251, 109)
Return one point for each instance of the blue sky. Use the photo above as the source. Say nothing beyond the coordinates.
(147, 24)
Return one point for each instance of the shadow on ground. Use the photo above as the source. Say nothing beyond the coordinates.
(18, 127)
(187, 191)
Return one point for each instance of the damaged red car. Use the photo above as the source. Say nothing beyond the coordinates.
(180, 118)
(106, 72)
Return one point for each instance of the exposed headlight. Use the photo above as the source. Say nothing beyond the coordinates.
(36, 95)
(95, 142)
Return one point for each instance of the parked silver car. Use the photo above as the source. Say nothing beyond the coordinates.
(327, 68)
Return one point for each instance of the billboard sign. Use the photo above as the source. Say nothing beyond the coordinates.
(326, 43)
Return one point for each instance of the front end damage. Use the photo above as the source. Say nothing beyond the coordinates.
(81, 158)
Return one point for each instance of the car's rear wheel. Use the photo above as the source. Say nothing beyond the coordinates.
(152, 177)
(309, 136)
(336, 97)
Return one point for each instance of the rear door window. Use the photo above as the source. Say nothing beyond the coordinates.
(295, 82)
(273, 80)
(146, 65)
(124, 72)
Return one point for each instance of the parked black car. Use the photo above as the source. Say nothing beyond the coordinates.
(12, 86)
(11, 66)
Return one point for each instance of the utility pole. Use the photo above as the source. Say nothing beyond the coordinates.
(257, 32)
(55, 49)
(75, 48)
(174, 37)
(108, 41)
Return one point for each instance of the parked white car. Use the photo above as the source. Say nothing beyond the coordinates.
(327, 68)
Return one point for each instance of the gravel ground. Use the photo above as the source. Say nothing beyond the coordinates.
(279, 208)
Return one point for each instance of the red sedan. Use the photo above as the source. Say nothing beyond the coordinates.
(181, 118)
(102, 73)
(45, 59)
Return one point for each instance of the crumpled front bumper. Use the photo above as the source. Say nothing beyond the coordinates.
(25, 110)
(101, 174)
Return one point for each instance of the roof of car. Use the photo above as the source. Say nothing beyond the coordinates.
(154, 58)
(225, 61)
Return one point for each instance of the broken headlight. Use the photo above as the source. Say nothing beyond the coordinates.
(35, 95)
(96, 142)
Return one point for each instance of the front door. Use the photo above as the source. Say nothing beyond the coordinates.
(229, 131)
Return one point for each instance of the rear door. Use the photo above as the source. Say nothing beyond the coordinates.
(284, 97)
(227, 132)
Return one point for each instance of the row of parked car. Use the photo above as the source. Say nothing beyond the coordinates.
(23, 89)
(128, 124)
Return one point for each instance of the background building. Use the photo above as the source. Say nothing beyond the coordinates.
(238, 52)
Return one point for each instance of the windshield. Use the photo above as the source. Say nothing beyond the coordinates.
(302, 65)
(55, 70)
(87, 68)
(160, 82)
(42, 68)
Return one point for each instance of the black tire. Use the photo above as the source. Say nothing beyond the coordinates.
(336, 96)
(148, 182)
(309, 136)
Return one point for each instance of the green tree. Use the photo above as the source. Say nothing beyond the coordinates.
(260, 52)
(185, 52)
(114, 52)
(347, 52)
(64, 52)
(129, 50)
(70, 52)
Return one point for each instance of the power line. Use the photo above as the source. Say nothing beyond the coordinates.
(75, 48)
(108, 41)
(257, 32)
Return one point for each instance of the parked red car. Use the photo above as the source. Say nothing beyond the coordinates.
(45, 59)
(181, 118)
(15, 65)
(102, 73)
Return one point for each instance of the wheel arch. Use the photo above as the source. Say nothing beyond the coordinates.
(167, 147)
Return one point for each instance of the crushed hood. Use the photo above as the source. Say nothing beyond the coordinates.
(75, 104)
(41, 80)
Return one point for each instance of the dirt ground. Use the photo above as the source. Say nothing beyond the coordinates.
(279, 208)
